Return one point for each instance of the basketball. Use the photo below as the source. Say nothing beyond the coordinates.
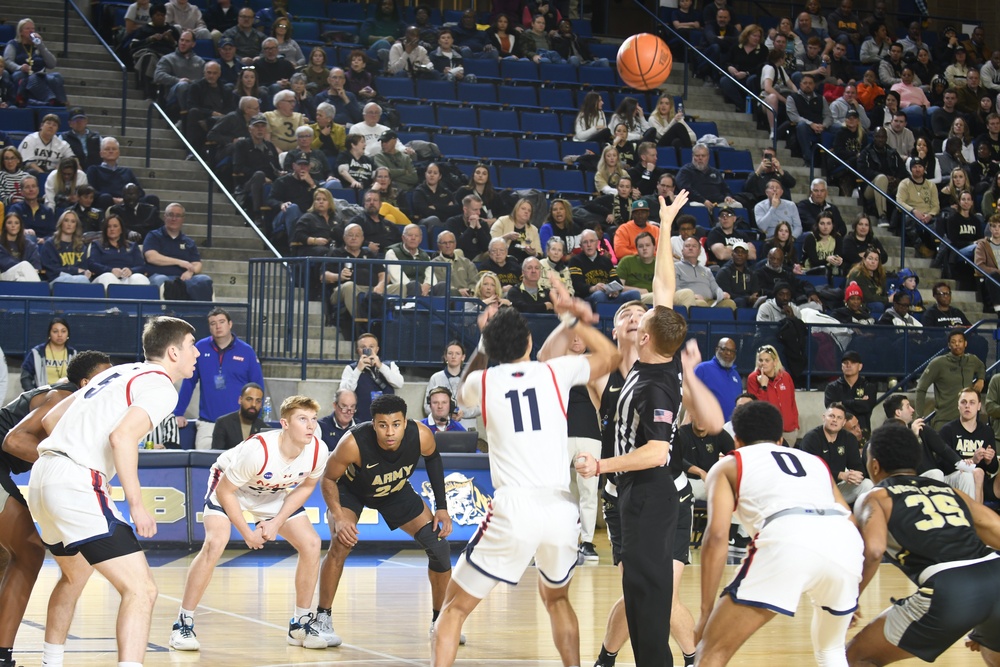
(644, 61)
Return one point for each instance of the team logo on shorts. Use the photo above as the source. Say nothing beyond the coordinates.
(467, 505)
(268, 475)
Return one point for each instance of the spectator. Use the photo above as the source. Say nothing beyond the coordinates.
(448, 61)
(110, 179)
(848, 102)
(316, 70)
(85, 144)
(290, 195)
(428, 31)
(699, 279)
(883, 166)
(136, 16)
(594, 275)
(854, 310)
(208, 101)
(11, 173)
(91, 218)
(274, 73)
(230, 64)
(848, 142)
(630, 114)
(971, 93)
(233, 126)
(390, 198)
(381, 29)
(957, 72)
(685, 20)
(840, 450)
(175, 72)
(771, 382)
(809, 113)
(810, 208)
(284, 120)
(369, 377)
(219, 18)
(990, 73)
(489, 291)
(912, 98)
(472, 234)
(341, 420)
(879, 15)
(319, 166)
(744, 64)
(721, 36)
(775, 271)
(736, 278)
(138, 217)
(42, 150)
(861, 237)
(358, 284)
(985, 258)
(46, 362)
(113, 259)
(357, 79)
(572, 49)
(721, 377)
(399, 162)
(150, 43)
(949, 374)
(705, 183)
(247, 86)
(529, 296)
(869, 91)
(411, 280)
(328, 136)
(919, 197)
(32, 68)
(780, 306)
(845, 24)
(62, 185)
(354, 167)
(185, 16)
(702, 451)
(876, 47)
(288, 48)
(408, 58)
(225, 365)
(891, 67)
(609, 171)
(370, 128)
(317, 231)
(645, 175)
(507, 269)
(247, 39)
(900, 137)
(856, 394)
(942, 314)
(19, 258)
(236, 427)
(463, 272)
(768, 169)
(869, 274)
(557, 261)
(517, 232)
(638, 224)
(443, 409)
(669, 126)
(379, 232)
(979, 53)
(990, 138)
(432, 202)
(172, 256)
(975, 443)
(687, 227)
(899, 315)
(560, 224)
(38, 219)
(538, 43)
(775, 209)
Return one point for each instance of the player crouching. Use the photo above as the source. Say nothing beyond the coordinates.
(270, 476)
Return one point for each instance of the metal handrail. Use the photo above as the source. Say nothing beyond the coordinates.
(688, 47)
(66, 5)
(902, 229)
(213, 180)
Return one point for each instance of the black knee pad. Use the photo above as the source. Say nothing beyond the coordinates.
(438, 550)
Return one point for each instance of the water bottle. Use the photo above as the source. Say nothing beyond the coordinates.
(680, 108)
(266, 412)
(36, 39)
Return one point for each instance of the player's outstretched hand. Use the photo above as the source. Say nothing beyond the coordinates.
(488, 312)
(669, 212)
(690, 355)
(442, 523)
(256, 539)
(586, 465)
(145, 525)
(563, 301)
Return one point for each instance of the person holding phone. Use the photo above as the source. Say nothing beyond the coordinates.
(370, 377)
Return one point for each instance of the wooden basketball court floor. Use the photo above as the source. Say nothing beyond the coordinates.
(383, 612)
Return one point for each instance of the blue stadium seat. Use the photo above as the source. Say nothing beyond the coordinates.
(735, 162)
(79, 290)
(497, 149)
(519, 178)
(517, 96)
(541, 152)
(599, 76)
(556, 98)
(8, 31)
(518, 70)
(18, 121)
(666, 158)
(477, 93)
(483, 69)
(495, 120)
(701, 215)
(416, 116)
(701, 314)
(395, 88)
(567, 122)
(342, 11)
(601, 50)
(458, 119)
(305, 31)
(578, 147)
(148, 293)
(582, 28)
(541, 123)
(205, 48)
(701, 128)
(561, 73)
(563, 181)
(456, 146)
(350, 195)
(407, 137)
(11, 288)
(436, 91)
(301, 8)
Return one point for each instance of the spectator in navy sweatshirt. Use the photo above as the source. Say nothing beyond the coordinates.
(110, 180)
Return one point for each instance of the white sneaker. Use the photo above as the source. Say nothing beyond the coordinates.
(461, 637)
(303, 632)
(324, 625)
(183, 638)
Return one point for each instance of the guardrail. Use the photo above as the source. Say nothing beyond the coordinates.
(753, 97)
(66, 5)
(113, 326)
(212, 181)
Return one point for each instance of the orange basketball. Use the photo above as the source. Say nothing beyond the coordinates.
(644, 61)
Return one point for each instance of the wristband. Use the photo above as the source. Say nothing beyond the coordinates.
(569, 320)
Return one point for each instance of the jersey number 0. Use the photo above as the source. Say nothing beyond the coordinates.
(515, 409)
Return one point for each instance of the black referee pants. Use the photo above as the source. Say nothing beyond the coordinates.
(648, 510)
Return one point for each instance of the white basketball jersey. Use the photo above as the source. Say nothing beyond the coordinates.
(772, 478)
(258, 471)
(83, 431)
(524, 410)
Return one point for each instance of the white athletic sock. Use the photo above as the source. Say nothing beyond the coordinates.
(301, 611)
(52, 654)
(129, 664)
(187, 615)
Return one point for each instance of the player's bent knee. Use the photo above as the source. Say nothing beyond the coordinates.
(438, 549)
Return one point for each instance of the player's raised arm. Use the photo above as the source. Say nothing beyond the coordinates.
(22, 440)
(124, 440)
(577, 316)
(699, 400)
(715, 541)
(478, 361)
(664, 278)
(435, 475)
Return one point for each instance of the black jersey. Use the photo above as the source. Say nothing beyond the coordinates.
(702, 452)
(608, 413)
(14, 412)
(966, 443)
(929, 524)
(647, 410)
(581, 416)
(381, 472)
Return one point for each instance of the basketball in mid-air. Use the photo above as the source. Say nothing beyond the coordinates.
(644, 61)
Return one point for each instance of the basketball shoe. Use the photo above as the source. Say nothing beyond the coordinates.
(303, 631)
(183, 638)
(324, 624)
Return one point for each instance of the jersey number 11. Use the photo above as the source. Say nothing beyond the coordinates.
(515, 409)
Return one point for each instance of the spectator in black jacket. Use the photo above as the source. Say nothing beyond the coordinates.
(255, 164)
(506, 268)
(432, 202)
(881, 164)
(841, 452)
(721, 36)
(229, 62)
(220, 17)
(291, 195)
(855, 393)
(85, 143)
(529, 296)
(138, 217)
(768, 169)
(473, 234)
(379, 232)
(572, 49)
(775, 271)
(738, 279)
(208, 100)
(231, 127)
(817, 202)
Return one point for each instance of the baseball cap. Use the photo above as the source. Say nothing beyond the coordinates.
(852, 114)
(741, 245)
(302, 159)
(226, 41)
(640, 204)
(77, 112)
(726, 208)
(388, 135)
(851, 355)
(259, 118)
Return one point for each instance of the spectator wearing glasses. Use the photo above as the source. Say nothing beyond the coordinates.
(768, 169)
(345, 103)
(941, 314)
(719, 374)
(172, 255)
(245, 37)
(333, 426)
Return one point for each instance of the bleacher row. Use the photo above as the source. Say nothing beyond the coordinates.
(17, 123)
(93, 292)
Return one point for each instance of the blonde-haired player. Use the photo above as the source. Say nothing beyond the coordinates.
(270, 475)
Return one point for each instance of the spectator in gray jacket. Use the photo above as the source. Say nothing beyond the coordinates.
(775, 209)
(178, 70)
(246, 38)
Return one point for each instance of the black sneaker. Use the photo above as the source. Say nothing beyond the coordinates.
(589, 553)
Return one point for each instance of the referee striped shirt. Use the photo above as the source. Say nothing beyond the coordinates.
(647, 410)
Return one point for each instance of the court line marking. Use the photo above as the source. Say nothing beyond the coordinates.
(387, 656)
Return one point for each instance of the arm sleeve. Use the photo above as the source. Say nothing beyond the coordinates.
(435, 475)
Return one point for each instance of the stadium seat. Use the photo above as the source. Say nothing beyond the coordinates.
(556, 98)
(147, 293)
(436, 91)
(606, 77)
(739, 163)
(483, 69)
(79, 291)
(477, 93)
(541, 123)
(518, 70)
(396, 88)
(342, 11)
(458, 119)
(205, 48)
(519, 178)
(540, 152)
(502, 149)
(701, 314)
(517, 96)
(499, 121)
(306, 31)
(416, 116)
(563, 73)
(12, 288)
(457, 146)
(565, 181)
